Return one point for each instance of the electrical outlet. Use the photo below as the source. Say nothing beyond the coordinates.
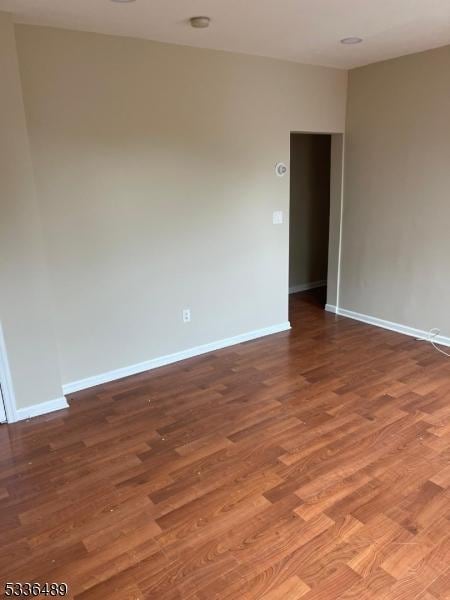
(186, 315)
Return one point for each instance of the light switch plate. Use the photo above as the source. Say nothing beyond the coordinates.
(277, 217)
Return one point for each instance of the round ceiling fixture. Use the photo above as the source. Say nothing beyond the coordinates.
(351, 40)
(200, 22)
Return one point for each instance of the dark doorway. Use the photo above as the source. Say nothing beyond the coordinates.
(310, 164)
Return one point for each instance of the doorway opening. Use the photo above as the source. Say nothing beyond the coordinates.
(309, 219)
(315, 219)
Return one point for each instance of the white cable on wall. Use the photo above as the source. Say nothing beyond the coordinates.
(432, 335)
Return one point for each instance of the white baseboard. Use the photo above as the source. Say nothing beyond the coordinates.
(303, 287)
(35, 410)
(331, 308)
(398, 327)
(82, 384)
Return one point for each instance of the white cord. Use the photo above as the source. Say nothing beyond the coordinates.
(432, 335)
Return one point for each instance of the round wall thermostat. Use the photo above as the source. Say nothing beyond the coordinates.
(280, 169)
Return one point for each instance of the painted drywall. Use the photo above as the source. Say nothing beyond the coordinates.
(309, 208)
(396, 248)
(25, 301)
(154, 168)
(336, 204)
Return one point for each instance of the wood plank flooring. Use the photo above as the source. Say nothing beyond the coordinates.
(310, 464)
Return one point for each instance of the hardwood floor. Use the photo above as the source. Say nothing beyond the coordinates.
(310, 464)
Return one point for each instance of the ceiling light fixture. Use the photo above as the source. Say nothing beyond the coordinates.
(351, 40)
(200, 22)
(123, 1)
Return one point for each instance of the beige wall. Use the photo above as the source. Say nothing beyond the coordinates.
(25, 303)
(309, 208)
(154, 167)
(336, 205)
(396, 245)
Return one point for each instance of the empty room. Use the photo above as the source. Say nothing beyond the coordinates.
(224, 299)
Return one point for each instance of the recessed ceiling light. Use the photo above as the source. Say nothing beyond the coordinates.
(351, 40)
(200, 22)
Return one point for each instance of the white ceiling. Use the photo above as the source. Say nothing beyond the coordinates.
(306, 31)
